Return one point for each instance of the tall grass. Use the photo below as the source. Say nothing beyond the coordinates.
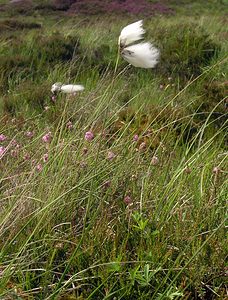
(148, 221)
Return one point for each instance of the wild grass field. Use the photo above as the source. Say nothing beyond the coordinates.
(119, 191)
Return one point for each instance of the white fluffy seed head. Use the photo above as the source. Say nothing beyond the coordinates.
(142, 55)
(56, 87)
(66, 88)
(71, 88)
(131, 33)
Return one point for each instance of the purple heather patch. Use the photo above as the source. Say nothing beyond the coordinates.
(133, 7)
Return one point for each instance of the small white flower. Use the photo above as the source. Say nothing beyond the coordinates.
(141, 55)
(66, 88)
(131, 33)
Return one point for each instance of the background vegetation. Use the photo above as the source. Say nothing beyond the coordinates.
(136, 211)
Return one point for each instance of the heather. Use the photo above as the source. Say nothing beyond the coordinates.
(92, 7)
(133, 7)
(118, 191)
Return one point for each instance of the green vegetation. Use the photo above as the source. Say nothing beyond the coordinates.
(138, 211)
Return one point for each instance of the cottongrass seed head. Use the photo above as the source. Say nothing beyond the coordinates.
(141, 55)
(131, 33)
(66, 88)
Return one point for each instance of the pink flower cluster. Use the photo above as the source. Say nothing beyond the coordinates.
(111, 155)
(89, 136)
(47, 137)
(2, 137)
(2, 148)
(69, 125)
(2, 151)
(135, 138)
(127, 200)
(29, 134)
(14, 149)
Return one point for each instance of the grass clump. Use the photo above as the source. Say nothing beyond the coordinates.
(56, 48)
(185, 54)
(28, 96)
(12, 25)
(27, 58)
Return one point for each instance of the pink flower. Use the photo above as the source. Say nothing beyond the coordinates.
(26, 156)
(69, 125)
(111, 155)
(2, 137)
(127, 200)
(39, 168)
(2, 151)
(29, 134)
(135, 138)
(53, 98)
(154, 161)
(45, 157)
(89, 136)
(47, 137)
